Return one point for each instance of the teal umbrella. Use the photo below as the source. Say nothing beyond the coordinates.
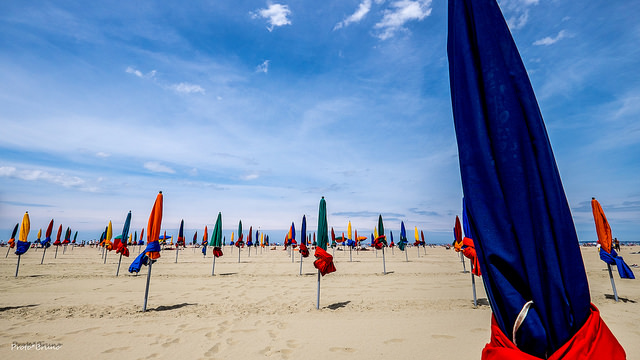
(324, 260)
(216, 241)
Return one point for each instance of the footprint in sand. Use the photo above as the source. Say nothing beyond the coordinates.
(347, 350)
(112, 350)
(214, 350)
(393, 341)
(171, 342)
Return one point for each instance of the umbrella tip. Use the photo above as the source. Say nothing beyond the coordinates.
(160, 191)
(593, 198)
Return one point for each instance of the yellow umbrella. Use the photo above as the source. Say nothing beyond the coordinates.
(417, 243)
(107, 241)
(23, 245)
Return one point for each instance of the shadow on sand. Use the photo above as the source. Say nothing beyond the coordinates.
(338, 305)
(170, 307)
(625, 300)
(2, 309)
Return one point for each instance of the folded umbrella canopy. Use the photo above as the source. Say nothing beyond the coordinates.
(607, 253)
(520, 219)
(324, 260)
(121, 246)
(12, 240)
(23, 244)
(216, 241)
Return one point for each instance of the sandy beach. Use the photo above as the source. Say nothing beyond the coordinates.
(74, 307)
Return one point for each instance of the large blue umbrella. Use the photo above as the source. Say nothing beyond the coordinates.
(518, 214)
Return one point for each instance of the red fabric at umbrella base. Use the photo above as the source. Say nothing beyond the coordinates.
(593, 341)
(470, 252)
(324, 261)
(217, 252)
(304, 251)
(122, 249)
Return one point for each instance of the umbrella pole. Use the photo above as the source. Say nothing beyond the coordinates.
(176, 254)
(300, 264)
(318, 302)
(64, 249)
(146, 290)
(293, 256)
(350, 257)
(119, 261)
(418, 248)
(473, 285)
(406, 254)
(6, 256)
(56, 255)
(18, 266)
(464, 267)
(105, 257)
(214, 265)
(392, 252)
(238, 255)
(44, 252)
(613, 284)
(425, 249)
(384, 265)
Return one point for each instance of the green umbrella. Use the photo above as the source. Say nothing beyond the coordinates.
(324, 261)
(382, 239)
(216, 240)
(323, 228)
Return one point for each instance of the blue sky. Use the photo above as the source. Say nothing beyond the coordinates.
(258, 108)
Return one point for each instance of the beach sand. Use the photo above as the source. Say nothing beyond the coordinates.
(74, 307)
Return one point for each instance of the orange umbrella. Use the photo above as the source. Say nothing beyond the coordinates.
(607, 254)
(603, 230)
(153, 247)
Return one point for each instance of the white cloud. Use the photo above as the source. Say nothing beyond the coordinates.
(187, 88)
(139, 73)
(276, 15)
(403, 12)
(264, 67)
(102, 154)
(363, 9)
(518, 22)
(41, 175)
(157, 167)
(250, 177)
(549, 40)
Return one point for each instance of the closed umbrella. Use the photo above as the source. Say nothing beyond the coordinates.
(324, 260)
(23, 244)
(520, 219)
(121, 247)
(304, 252)
(216, 241)
(606, 251)
(12, 240)
(47, 240)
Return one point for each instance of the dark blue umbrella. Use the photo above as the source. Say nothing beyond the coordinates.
(519, 217)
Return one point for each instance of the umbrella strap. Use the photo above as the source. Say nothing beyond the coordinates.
(520, 319)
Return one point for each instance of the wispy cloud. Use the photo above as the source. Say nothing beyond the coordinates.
(402, 12)
(551, 40)
(61, 179)
(361, 12)
(158, 167)
(103, 155)
(23, 204)
(276, 15)
(187, 88)
(138, 73)
(516, 12)
(264, 67)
